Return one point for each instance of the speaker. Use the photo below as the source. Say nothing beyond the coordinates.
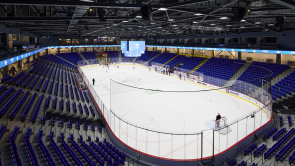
(101, 15)
(146, 13)
(238, 13)
(279, 21)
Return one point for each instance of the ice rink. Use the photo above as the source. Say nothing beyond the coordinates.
(170, 106)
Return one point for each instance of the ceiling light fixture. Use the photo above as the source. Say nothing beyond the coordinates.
(195, 22)
(258, 22)
(171, 20)
(212, 24)
(163, 9)
(138, 17)
(198, 14)
(243, 20)
(153, 23)
(125, 21)
(223, 18)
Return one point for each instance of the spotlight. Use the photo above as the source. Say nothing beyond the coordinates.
(163, 9)
(223, 18)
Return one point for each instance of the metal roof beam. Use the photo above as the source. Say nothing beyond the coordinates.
(13, 19)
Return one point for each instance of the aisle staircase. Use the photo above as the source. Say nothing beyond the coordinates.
(170, 59)
(152, 58)
(120, 56)
(199, 65)
(237, 74)
(65, 60)
(82, 56)
(134, 59)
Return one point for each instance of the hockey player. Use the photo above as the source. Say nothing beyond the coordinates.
(133, 67)
(179, 76)
(118, 67)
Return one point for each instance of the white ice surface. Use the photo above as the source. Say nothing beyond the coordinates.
(169, 112)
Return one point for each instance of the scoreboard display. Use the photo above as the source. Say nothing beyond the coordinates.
(133, 48)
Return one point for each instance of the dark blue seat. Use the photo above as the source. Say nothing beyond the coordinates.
(37, 109)
(4, 109)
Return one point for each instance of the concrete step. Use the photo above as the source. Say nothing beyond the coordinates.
(170, 59)
(237, 74)
(199, 65)
(152, 58)
(82, 56)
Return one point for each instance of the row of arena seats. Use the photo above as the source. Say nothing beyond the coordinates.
(73, 57)
(57, 73)
(19, 105)
(191, 64)
(284, 86)
(114, 55)
(5, 78)
(4, 109)
(270, 133)
(14, 152)
(29, 148)
(222, 69)
(258, 70)
(89, 55)
(44, 150)
(279, 144)
(59, 61)
(279, 134)
(162, 58)
(147, 56)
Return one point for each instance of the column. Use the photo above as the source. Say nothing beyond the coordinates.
(71, 49)
(47, 51)
(279, 59)
(212, 53)
(20, 64)
(239, 55)
(58, 50)
(177, 50)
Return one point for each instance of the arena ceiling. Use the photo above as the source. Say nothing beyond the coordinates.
(123, 18)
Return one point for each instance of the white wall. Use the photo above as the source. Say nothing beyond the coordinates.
(260, 57)
(232, 54)
(287, 57)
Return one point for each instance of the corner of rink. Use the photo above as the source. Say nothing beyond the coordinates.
(216, 159)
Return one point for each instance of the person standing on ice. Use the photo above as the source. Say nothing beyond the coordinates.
(118, 67)
(218, 117)
(179, 76)
(93, 80)
(133, 67)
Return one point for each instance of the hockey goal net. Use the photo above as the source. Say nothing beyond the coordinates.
(220, 123)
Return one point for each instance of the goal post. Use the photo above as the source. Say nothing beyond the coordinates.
(222, 122)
